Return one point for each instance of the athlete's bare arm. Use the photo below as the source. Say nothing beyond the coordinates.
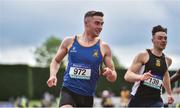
(176, 76)
(132, 74)
(167, 84)
(109, 72)
(55, 63)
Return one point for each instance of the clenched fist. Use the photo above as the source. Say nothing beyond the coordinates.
(52, 81)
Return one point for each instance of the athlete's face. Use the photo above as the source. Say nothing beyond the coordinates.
(160, 40)
(94, 25)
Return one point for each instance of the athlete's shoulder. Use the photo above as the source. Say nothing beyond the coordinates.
(142, 57)
(68, 40)
(104, 44)
(169, 60)
(105, 48)
(142, 54)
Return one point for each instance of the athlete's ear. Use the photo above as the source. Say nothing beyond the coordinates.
(152, 39)
(85, 23)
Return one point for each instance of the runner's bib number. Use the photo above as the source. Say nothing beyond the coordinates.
(153, 82)
(80, 73)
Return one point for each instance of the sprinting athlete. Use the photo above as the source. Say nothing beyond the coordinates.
(86, 53)
(149, 72)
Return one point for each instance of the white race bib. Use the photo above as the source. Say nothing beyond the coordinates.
(80, 73)
(153, 82)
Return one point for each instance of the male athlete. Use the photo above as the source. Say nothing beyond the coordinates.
(85, 56)
(149, 71)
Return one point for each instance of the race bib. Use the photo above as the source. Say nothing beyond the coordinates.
(153, 82)
(80, 73)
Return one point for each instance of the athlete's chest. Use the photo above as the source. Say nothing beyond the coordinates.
(84, 54)
(157, 65)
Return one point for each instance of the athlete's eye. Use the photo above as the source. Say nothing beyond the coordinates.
(162, 37)
(99, 23)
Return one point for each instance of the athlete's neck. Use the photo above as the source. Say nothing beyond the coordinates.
(87, 38)
(156, 52)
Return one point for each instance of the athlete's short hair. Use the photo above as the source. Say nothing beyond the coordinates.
(93, 13)
(158, 28)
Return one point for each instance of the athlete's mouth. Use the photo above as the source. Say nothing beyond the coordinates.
(164, 44)
(98, 31)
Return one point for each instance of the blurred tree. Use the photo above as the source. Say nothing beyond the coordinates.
(47, 51)
(117, 65)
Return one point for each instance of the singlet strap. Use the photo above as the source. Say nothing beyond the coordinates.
(75, 38)
(72, 42)
(149, 51)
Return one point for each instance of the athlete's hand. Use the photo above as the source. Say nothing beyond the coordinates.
(146, 76)
(170, 99)
(107, 72)
(52, 81)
